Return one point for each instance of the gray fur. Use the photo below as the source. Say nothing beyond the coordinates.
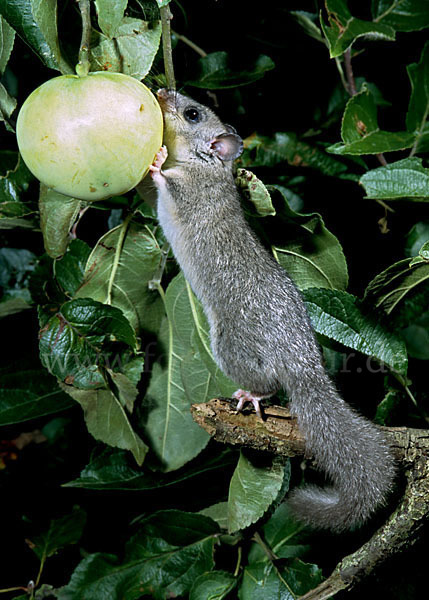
(261, 335)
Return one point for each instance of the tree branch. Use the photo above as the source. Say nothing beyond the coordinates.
(279, 434)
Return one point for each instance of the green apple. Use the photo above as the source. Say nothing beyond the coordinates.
(90, 137)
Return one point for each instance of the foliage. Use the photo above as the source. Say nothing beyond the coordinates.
(335, 183)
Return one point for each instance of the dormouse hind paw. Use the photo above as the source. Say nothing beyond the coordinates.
(243, 397)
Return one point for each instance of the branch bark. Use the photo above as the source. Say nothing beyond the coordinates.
(279, 434)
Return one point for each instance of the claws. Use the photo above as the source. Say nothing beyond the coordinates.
(160, 158)
(243, 397)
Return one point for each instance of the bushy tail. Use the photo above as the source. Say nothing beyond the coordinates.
(350, 449)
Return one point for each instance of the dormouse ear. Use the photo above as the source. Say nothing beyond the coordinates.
(227, 146)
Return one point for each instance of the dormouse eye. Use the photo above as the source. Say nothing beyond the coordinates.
(192, 115)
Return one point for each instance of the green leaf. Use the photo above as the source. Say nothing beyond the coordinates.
(308, 23)
(418, 108)
(284, 536)
(7, 38)
(70, 268)
(402, 15)
(416, 337)
(192, 329)
(131, 50)
(416, 237)
(339, 316)
(187, 374)
(344, 29)
(262, 151)
(213, 586)
(287, 578)
(111, 470)
(173, 434)
(57, 215)
(293, 579)
(256, 192)
(13, 185)
(218, 512)
(404, 179)
(126, 390)
(29, 394)
(110, 13)
(16, 179)
(61, 532)
(254, 486)
(360, 132)
(391, 289)
(376, 142)
(71, 342)
(139, 259)
(15, 265)
(387, 406)
(163, 559)
(360, 116)
(215, 72)
(423, 253)
(7, 104)
(202, 379)
(10, 305)
(313, 256)
(36, 22)
(107, 421)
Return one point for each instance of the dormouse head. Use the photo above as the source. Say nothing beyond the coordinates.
(193, 132)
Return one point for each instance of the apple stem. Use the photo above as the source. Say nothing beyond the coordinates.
(166, 17)
(83, 66)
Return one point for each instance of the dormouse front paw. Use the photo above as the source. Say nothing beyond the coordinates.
(160, 158)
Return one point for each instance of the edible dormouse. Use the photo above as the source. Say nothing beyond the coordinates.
(261, 335)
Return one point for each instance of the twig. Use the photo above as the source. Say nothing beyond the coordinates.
(400, 531)
(351, 88)
(166, 17)
(279, 434)
(381, 159)
(190, 43)
(351, 83)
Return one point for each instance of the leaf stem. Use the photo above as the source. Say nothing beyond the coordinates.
(166, 17)
(39, 574)
(119, 246)
(273, 559)
(387, 11)
(190, 43)
(267, 550)
(420, 132)
(341, 73)
(238, 565)
(82, 68)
